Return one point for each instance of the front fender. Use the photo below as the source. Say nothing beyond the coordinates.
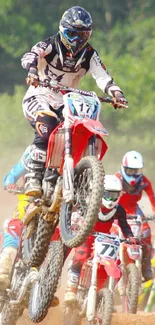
(112, 268)
(83, 130)
(94, 126)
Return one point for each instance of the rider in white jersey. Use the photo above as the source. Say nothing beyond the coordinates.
(64, 58)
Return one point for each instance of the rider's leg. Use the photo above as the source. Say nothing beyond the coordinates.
(44, 121)
(12, 229)
(147, 248)
(81, 255)
(147, 254)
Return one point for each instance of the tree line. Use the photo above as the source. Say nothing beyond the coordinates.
(124, 36)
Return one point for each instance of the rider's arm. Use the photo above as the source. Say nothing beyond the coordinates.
(122, 222)
(41, 49)
(103, 79)
(149, 191)
(17, 171)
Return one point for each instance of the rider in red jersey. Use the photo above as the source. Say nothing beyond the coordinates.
(110, 210)
(134, 183)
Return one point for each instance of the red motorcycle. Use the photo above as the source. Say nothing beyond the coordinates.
(75, 150)
(98, 277)
(130, 283)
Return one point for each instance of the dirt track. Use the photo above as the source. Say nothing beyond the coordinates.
(7, 204)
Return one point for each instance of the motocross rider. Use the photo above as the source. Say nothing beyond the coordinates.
(109, 211)
(13, 227)
(134, 183)
(64, 58)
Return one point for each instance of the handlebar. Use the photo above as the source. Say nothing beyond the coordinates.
(124, 240)
(131, 217)
(64, 89)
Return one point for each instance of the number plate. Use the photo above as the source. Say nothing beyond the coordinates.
(106, 247)
(83, 106)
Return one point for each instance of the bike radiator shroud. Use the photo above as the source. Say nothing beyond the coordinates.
(58, 143)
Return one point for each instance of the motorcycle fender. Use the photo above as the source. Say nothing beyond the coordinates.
(94, 126)
(81, 133)
(112, 268)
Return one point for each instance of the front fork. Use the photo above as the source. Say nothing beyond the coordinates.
(91, 145)
(122, 282)
(92, 293)
(68, 169)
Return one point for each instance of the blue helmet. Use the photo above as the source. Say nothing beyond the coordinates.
(75, 29)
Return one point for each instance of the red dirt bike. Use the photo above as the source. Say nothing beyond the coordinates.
(129, 285)
(98, 277)
(75, 150)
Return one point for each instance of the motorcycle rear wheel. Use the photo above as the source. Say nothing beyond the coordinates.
(43, 291)
(88, 193)
(35, 248)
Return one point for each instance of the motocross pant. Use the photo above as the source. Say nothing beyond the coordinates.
(147, 247)
(82, 253)
(44, 119)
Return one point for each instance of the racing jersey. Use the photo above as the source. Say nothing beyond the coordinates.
(54, 63)
(129, 201)
(119, 216)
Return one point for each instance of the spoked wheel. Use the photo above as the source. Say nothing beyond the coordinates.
(105, 307)
(43, 291)
(88, 193)
(35, 248)
(130, 301)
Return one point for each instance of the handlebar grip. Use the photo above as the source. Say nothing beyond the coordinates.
(131, 216)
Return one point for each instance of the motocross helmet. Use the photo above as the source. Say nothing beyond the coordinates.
(75, 29)
(112, 191)
(131, 168)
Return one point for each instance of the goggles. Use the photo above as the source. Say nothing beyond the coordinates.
(133, 171)
(80, 36)
(111, 196)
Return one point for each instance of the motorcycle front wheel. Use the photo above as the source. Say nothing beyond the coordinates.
(105, 307)
(88, 193)
(130, 304)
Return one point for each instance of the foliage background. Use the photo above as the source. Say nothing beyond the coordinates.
(124, 36)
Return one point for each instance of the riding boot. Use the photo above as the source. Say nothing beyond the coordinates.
(35, 165)
(7, 258)
(72, 286)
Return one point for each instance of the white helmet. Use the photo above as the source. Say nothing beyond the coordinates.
(132, 165)
(112, 191)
